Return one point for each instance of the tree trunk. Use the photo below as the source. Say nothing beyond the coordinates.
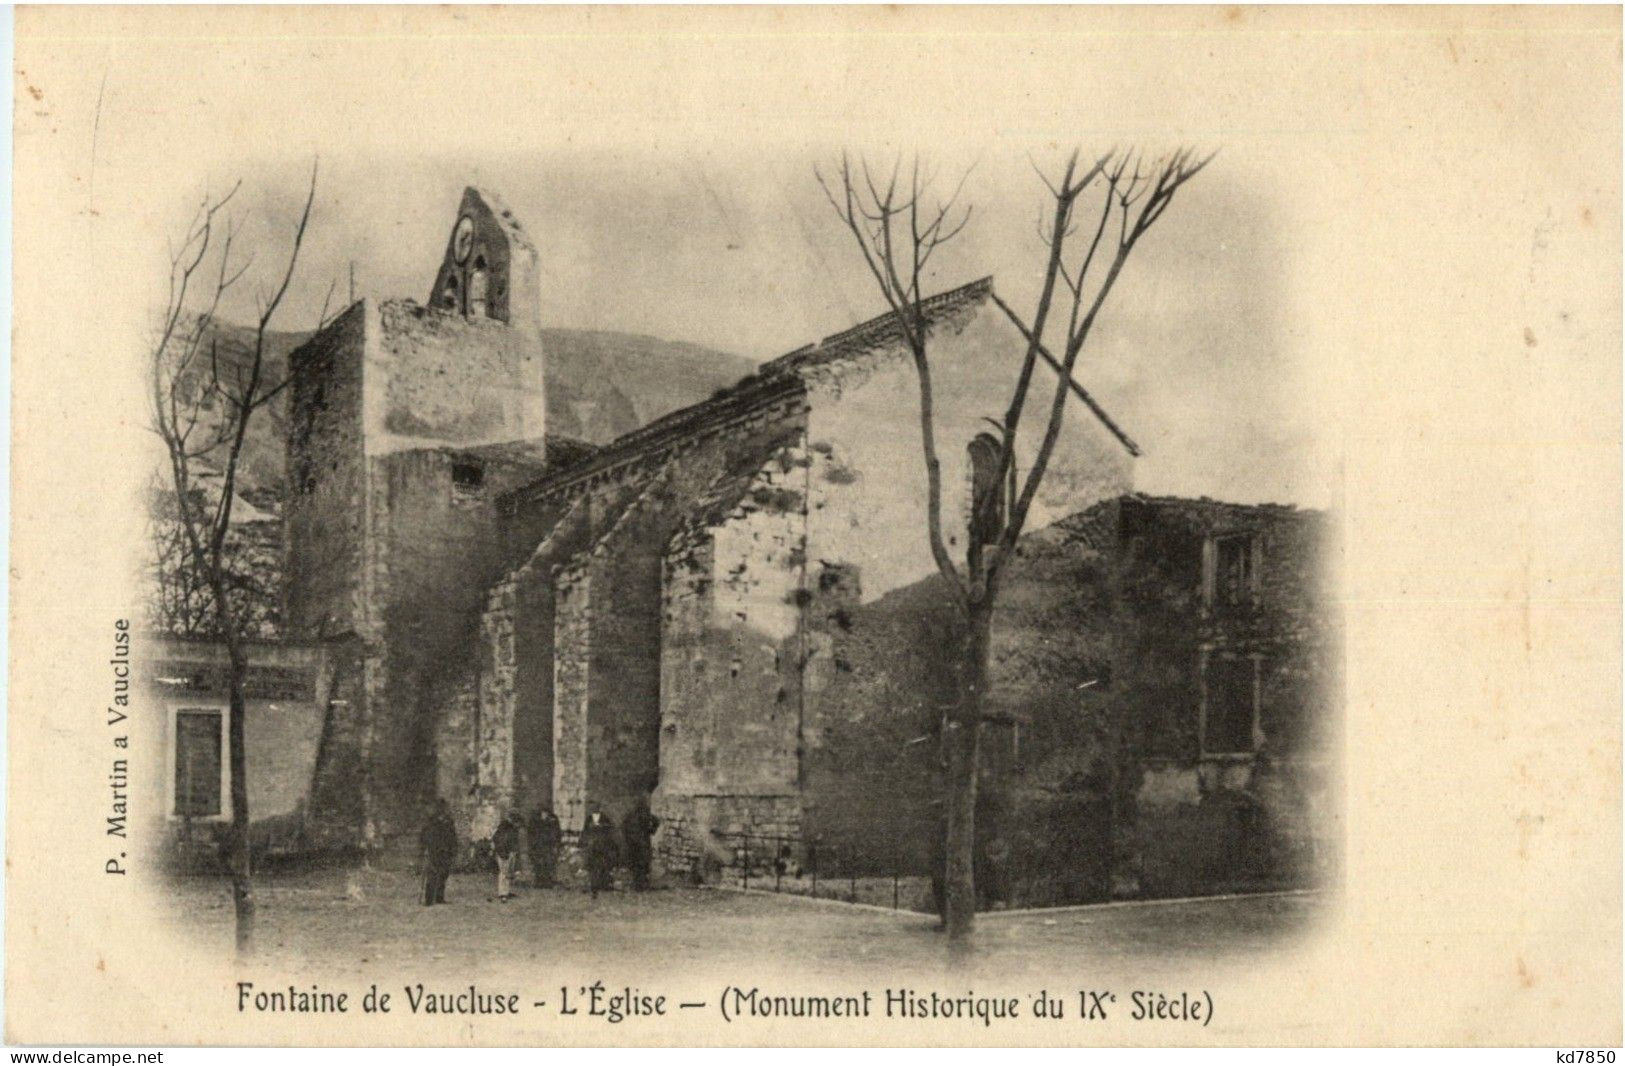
(964, 758)
(242, 889)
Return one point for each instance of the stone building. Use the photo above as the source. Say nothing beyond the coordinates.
(732, 610)
(1171, 672)
(285, 715)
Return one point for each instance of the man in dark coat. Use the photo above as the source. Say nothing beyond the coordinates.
(439, 845)
(598, 845)
(505, 845)
(542, 835)
(639, 826)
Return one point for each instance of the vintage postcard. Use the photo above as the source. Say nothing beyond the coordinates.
(782, 526)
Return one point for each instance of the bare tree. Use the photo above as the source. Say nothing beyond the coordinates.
(179, 599)
(898, 226)
(202, 406)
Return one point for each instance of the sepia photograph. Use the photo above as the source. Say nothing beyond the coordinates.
(815, 526)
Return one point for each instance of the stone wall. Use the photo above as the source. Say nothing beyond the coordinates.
(615, 696)
(702, 837)
(577, 629)
(731, 714)
(394, 540)
(730, 740)
(436, 378)
(326, 495)
(338, 784)
(1208, 820)
(434, 550)
(288, 690)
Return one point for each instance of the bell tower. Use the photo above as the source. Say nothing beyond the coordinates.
(491, 268)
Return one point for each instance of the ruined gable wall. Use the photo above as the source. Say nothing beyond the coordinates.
(868, 477)
(883, 637)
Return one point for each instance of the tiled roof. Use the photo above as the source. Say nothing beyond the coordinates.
(750, 394)
(552, 452)
(1202, 513)
(881, 329)
(1207, 503)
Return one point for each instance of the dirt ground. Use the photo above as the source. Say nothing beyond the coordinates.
(360, 921)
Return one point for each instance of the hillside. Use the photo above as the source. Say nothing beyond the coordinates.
(602, 384)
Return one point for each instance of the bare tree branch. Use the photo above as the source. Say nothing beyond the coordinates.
(897, 235)
(1152, 191)
(193, 528)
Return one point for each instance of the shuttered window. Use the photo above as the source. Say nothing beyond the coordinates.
(197, 763)
(1232, 705)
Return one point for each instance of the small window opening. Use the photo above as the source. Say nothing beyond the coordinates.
(197, 763)
(1234, 576)
(1231, 711)
(467, 477)
(479, 288)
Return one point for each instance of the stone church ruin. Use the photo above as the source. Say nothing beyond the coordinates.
(731, 610)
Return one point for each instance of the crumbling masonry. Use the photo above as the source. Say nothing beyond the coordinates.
(732, 610)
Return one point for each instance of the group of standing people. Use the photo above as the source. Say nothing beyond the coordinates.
(602, 848)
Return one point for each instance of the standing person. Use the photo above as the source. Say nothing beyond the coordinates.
(542, 833)
(598, 844)
(505, 844)
(639, 826)
(439, 845)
